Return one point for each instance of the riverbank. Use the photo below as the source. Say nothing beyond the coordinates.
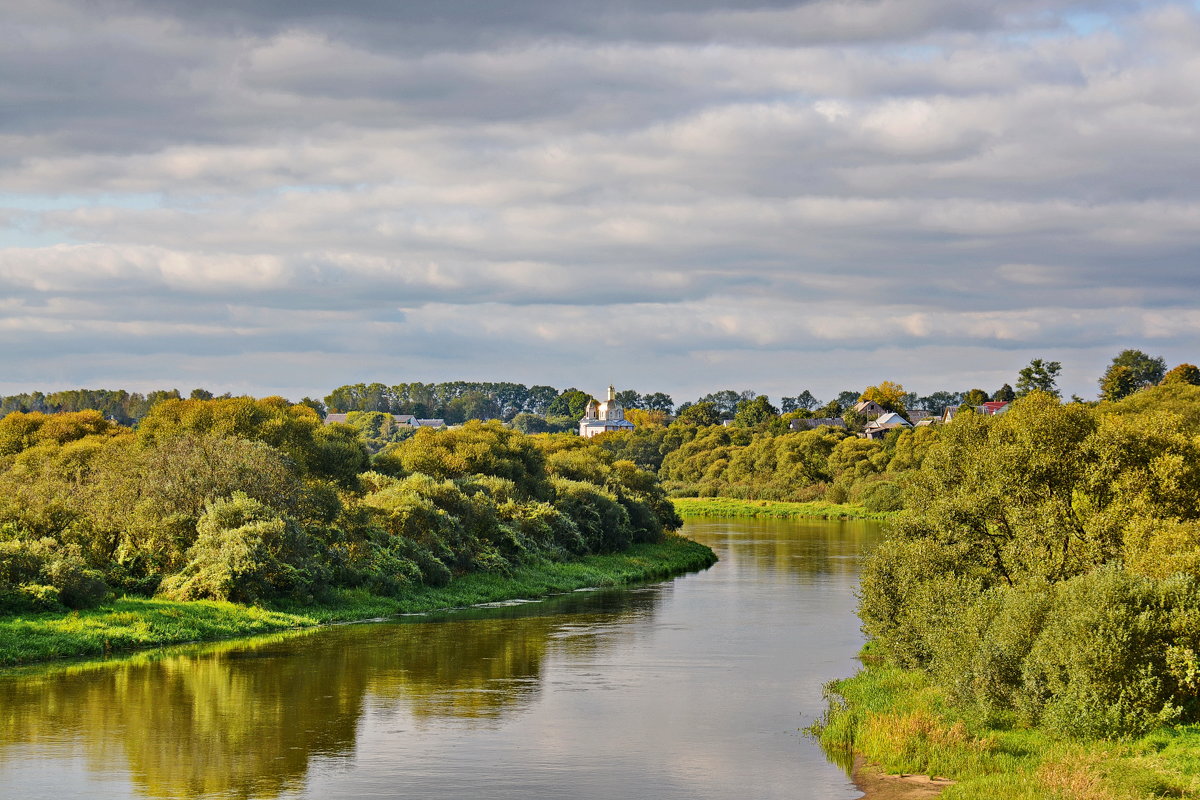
(730, 507)
(898, 723)
(135, 623)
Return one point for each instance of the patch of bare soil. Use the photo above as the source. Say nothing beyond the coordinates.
(878, 785)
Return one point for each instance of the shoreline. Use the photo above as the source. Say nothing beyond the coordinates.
(688, 507)
(875, 784)
(127, 625)
(907, 741)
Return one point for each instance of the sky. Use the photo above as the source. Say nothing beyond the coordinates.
(685, 195)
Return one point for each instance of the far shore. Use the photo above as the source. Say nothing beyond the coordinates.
(732, 507)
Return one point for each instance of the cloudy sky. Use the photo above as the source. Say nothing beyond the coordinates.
(680, 195)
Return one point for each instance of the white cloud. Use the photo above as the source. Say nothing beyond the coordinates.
(703, 183)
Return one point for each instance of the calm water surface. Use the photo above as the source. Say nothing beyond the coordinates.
(694, 688)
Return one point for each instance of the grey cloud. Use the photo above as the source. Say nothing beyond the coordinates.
(729, 185)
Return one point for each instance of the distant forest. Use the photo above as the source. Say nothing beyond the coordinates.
(459, 401)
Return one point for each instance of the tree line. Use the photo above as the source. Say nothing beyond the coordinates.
(1045, 569)
(246, 499)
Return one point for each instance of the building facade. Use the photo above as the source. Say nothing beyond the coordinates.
(604, 417)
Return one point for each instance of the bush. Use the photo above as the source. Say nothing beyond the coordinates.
(603, 522)
(245, 552)
(879, 496)
(44, 574)
(1098, 668)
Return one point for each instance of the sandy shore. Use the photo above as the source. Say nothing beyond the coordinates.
(878, 785)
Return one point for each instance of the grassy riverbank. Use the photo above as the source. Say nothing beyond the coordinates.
(900, 723)
(135, 623)
(729, 507)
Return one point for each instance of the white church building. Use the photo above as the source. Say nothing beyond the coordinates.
(604, 417)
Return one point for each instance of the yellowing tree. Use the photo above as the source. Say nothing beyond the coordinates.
(888, 394)
(645, 418)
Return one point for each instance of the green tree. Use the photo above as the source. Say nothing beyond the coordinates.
(1147, 370)
(724, 401)
(1004, 394)
(974, 398)
(629, 398)
(472, 405)
(702, 413)
(752, 413)
(658, 401)
(1184, 373)
(1039, 376)
(1118, 382)
(571, 403)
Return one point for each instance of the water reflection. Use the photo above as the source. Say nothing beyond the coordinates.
(244, 719)
(691, 688)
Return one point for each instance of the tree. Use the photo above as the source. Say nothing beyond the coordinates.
(1117, 382)
(702, 413)
(540, 398)
(645, 418)
(1039, 376)
(974, 398)
(315, 405)
(724, 401)
(530, 423)
(200, 394)
(1184, 373)
(1004, 394)
(472, 405)
(571, 403)
(1147, 370)
(847, 398)
(629, 398)
(658, 401)
(805, 401)
(888, 394)
(831, 409)
(752, 413)
(937, 402)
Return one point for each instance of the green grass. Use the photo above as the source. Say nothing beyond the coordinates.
(898, 720)
(729, 507)
(135, 623)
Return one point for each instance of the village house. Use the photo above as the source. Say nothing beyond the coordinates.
(869, 409)
(604, 417)
(885, 423)
(395, 421)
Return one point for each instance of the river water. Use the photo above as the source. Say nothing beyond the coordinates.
(692, 688)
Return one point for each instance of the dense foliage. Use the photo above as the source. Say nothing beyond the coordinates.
(245, 499)
(1047, 567)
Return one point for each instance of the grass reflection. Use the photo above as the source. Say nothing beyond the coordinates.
(245, 718)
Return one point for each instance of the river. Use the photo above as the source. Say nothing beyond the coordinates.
(692, 688)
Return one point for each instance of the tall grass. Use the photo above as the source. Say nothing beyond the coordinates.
(135, 623)
(901, 723)
(728, 507)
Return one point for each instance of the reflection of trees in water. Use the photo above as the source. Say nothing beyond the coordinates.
(789, 548)
(244, 718)
(482, 663)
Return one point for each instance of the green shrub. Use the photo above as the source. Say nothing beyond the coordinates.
(1099, 668)
(44, 573)
(880, 496)
(603, 522)
(246, 552)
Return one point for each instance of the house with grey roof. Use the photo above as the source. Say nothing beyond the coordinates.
(880, 427)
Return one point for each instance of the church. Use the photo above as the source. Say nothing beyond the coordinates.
(604, 417)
